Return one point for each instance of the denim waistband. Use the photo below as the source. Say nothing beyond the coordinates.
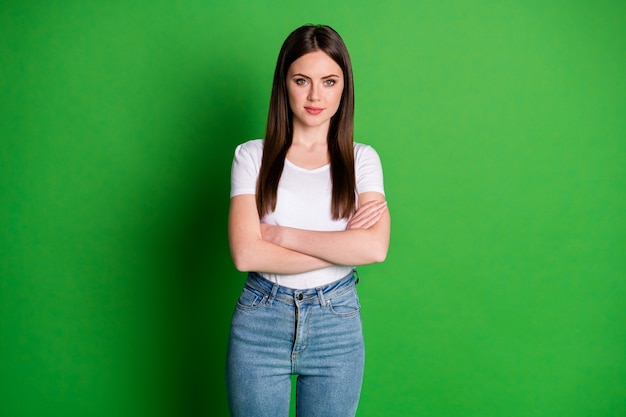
(274, 291)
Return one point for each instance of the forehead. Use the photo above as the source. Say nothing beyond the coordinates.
(315, 64)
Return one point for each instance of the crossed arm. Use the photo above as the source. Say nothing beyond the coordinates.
(284, 250)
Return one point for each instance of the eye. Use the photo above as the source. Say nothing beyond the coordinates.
(301, 81)
(330, 83)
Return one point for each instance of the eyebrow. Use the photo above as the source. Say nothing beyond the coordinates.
(306, 76)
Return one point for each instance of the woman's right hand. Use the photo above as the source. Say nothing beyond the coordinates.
(367, 215)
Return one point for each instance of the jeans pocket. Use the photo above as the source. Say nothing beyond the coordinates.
(345, 305)
(251, 299)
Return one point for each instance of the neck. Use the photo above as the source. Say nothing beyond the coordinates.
(310, 136)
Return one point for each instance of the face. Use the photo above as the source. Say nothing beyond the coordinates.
(314, 85)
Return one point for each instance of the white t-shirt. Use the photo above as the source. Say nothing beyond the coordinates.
(304, 201)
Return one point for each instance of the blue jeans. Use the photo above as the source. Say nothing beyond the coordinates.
(277, 332)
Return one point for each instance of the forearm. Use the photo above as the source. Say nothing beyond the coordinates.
(350, 247)
(263, 256)
(251, 253)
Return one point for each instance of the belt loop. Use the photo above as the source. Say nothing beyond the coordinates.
(355, 274)
(272, 295)
(320, 297)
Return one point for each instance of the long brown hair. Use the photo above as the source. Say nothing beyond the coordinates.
(279, 131)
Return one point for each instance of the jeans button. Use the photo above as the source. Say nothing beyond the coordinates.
(300, 297)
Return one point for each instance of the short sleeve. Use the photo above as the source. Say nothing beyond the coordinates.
(245, 168)
(369, 171)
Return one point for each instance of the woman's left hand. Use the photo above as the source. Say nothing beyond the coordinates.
(367, 215)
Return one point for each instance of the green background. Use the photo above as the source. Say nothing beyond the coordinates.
(501, 126)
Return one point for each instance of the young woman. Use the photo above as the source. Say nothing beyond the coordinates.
(307, 206)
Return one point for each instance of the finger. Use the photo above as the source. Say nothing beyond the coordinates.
(373, 219)
(366, 223)
(373, 210)
(368, 208)
(369, 217)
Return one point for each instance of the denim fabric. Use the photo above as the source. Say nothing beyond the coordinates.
(277, 332)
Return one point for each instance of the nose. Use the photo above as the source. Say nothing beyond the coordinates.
(313, 93)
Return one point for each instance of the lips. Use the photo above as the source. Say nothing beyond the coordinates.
(314, 110)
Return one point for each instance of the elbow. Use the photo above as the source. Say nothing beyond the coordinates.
(378, 254)
(240, 260)
(246, 255)
(379, 244)
(240, 266)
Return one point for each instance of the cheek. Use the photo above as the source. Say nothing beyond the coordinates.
(294, 97)
(336, 98)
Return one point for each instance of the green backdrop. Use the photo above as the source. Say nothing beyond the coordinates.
(501, 126)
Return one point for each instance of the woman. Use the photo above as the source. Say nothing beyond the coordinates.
(307, 206)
